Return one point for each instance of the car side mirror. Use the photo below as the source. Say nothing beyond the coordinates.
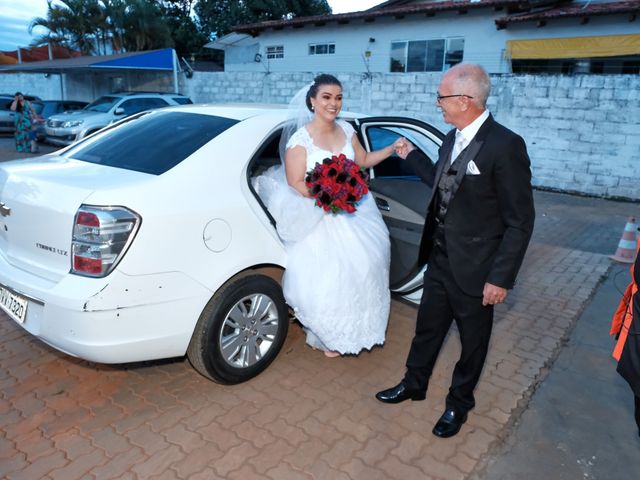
(119, 111)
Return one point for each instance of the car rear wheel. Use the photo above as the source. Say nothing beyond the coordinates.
(240, 331)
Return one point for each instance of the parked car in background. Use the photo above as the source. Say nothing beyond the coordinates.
(54, 107)
(66, 128)
(148, 239)
(7, 124)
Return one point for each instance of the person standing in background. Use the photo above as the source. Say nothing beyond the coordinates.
(23, 119)
(626, 327)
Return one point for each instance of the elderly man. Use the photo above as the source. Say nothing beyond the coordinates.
(479, 222)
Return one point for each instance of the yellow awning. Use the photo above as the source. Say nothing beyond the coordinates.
(576, 47)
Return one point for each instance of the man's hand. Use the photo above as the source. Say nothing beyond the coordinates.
(492, 295)
(403, 147)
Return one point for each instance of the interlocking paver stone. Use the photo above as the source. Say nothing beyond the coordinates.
(398, 470)
(271, 456)
(120, 464)
(234, 458)
(356, 469)
(306, 416)
(79, 466)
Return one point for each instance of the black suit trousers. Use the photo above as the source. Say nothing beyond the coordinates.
(443, 302)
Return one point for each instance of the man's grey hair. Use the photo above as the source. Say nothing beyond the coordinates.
(473, 80)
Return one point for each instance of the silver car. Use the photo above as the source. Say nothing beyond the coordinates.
(47, 108)
(67, 128)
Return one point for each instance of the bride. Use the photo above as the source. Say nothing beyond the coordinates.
(337, 275)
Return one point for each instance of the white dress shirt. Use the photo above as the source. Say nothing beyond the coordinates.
(464, 136)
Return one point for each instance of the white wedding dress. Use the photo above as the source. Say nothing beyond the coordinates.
(337, 275)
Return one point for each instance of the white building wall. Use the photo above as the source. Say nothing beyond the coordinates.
(45, 87)
(86, 86)
(484, 43)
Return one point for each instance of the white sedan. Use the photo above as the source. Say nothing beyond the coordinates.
(147, 240)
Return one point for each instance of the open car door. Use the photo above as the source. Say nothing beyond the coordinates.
(400, 195)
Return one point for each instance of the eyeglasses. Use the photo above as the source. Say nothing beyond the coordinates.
(440, 97)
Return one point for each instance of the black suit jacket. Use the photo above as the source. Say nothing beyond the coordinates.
(490, 217)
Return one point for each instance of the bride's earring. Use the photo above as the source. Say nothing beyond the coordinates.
(313, 108)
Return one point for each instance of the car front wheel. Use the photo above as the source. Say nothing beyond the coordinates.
(240, 331)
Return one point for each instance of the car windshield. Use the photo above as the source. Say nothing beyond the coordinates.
(49, 108)
(176, 135)
(102, 104)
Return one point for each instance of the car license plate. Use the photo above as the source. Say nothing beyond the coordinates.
(13, 304)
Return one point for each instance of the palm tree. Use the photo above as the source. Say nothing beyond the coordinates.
(144, 27)
(72, 23)
(115, 13)
(88, 25)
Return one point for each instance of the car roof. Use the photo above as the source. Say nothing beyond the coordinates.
(243, 111)
(131, 94)
(62, 101)
(236, 111)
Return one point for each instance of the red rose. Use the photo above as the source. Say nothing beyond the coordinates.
(337, 184)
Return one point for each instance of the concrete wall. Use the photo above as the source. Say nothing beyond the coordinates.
(582, 131)
(85, 86)
(45, 87)
(91, 85)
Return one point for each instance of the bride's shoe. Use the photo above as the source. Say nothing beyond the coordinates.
(330, 354)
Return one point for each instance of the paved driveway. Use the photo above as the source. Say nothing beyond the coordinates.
(307, 416)
(8, 149)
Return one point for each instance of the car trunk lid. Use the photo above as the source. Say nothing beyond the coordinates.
(40, 198)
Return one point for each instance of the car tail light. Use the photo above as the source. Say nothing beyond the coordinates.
(101, 236)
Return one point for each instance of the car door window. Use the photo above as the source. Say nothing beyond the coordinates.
(399, 194)
(381, 136)
(182, 100)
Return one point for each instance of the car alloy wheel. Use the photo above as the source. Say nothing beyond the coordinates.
(249, 330)
(240, 331)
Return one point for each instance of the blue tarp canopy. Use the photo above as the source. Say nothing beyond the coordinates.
(153, 60)
(157, 60)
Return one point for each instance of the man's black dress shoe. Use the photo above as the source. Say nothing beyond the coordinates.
(449, 424)
(400, 393)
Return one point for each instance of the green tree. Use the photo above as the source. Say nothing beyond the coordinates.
(187, 38)
(90, 25)
(217, 17)
(115, 14)
(145, 28)
(71, 23)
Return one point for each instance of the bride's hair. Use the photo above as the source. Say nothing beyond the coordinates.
(322, 79)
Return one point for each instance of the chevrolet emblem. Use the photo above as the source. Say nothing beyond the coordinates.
(4, 210)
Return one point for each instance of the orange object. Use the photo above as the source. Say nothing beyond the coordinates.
(624, 314)
(626, 252)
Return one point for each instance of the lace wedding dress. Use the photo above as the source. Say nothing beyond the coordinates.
(337, 275)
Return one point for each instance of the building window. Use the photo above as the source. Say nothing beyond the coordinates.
(568, 66)
(275, 51)
(322, 49)
(426, 55)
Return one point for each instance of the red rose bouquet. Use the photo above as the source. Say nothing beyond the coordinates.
(337, 184)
